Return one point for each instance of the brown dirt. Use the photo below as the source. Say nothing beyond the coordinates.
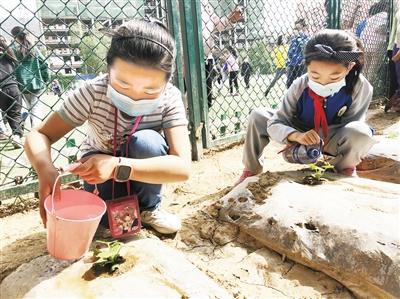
(19, 205)
(380, 120)
(262, 188)
(233, 259)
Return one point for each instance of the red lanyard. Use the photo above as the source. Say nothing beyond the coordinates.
(319, 114)
(133, 130)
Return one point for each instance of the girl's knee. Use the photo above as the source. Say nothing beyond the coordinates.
(147, 144)
(358, 136)
(260, 115)
(358, 129)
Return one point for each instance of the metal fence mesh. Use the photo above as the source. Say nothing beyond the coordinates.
(369, 20)
(248, 64)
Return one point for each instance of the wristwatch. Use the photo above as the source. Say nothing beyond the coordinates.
(123, 170)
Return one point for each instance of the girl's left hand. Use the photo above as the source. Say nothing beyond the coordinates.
(96, 169)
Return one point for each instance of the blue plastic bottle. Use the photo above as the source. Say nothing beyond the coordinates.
(302, 154)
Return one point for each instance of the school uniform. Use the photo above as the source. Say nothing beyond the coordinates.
(349, 137)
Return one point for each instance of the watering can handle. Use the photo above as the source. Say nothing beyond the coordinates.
(62, 170)
(54, 191)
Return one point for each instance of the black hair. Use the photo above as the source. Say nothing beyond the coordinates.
(25, 46)
(279, 41)
(143, 42)
(343, 47)
(8, 52)
(301, 22)
(378, 7)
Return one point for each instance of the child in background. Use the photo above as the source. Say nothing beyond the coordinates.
(280, 56)
(295, 63)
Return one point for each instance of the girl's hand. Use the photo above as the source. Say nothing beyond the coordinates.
(47, 177)
(396, 57)
(96, 169)
(307, 138)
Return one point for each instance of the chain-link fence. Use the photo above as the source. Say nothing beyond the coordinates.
(252, 62)
(49, 48)
(245, 53)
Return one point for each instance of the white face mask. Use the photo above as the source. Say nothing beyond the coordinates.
(129, 106)
(327, 89)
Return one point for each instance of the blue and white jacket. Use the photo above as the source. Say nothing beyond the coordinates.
(296, 49)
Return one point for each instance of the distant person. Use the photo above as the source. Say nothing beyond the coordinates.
(374, 37)
(218, 72)
(55, 87)
(10, 96)
(393, 51)
(295, 63)
(212, 23)
(224, 72)
(280, 57)
(394, 63)
(32, 74)
(246, 71)
(233, 70)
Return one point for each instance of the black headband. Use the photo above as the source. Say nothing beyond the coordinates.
(327, 52)
(115, 34)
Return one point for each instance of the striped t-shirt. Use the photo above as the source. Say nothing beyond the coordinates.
(90, 103)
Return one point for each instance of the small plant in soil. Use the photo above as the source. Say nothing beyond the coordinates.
(315, 178)
(107, 258)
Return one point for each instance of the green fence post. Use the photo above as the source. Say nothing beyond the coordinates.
(175, 30)
(333, 8)
(194, 74)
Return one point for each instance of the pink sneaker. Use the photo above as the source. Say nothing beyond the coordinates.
(351, 171)
(245, 175)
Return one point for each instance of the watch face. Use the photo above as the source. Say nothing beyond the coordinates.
(124, 173)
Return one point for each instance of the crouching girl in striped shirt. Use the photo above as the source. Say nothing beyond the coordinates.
(136, 125)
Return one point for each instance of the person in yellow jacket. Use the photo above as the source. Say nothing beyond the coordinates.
(280, 57)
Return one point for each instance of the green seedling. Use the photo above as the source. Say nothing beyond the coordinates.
(315, 178)
(108, 258)
(393, 135)
(318, 171)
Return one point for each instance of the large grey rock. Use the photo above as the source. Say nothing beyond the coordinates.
(347, 228)
(158, 272)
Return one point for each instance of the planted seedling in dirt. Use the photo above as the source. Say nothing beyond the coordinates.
(107, 258)
(315, 178)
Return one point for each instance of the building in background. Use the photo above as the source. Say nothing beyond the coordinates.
(65, 24)
(264, 20)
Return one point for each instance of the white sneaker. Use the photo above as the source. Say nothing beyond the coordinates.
(16, 141)
(161, 221)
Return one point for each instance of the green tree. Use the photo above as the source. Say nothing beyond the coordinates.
(93, 46)
(261, 58)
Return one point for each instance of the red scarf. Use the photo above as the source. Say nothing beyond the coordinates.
(319, 114)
